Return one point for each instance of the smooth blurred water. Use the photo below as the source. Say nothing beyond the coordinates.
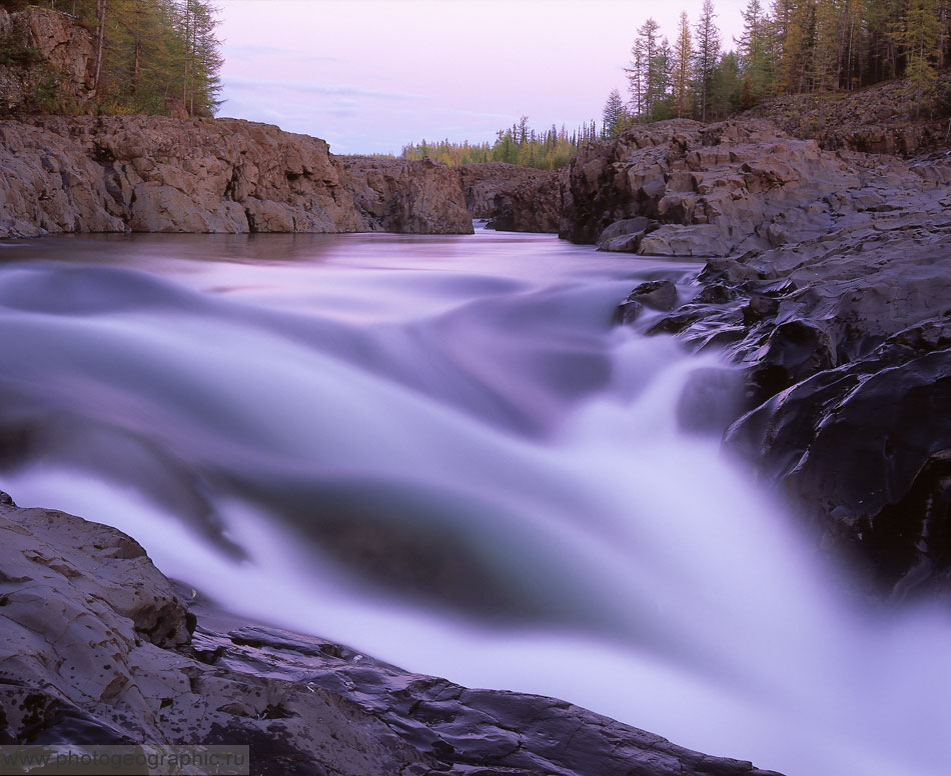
(439, 450)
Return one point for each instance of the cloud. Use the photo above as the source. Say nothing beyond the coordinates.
(333, 90)
(246, 51)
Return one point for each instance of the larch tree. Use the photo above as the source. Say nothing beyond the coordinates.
(707, 55)
(920, 33)
(682, 56)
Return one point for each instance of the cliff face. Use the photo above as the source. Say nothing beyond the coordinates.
(513, 198)
(399, 196)
(46, 61)
(156, 174)
(715, 190)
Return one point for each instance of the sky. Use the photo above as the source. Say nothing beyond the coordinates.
(370, 76)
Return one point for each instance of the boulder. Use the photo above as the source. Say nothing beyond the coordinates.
(624, 236)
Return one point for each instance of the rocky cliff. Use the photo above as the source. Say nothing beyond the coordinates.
(833, 294)
(46, 62)
(99, 648)
(513, 198)
(722, 189)
(157, 174)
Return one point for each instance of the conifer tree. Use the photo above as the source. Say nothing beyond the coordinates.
(682, 56)
(707, 55)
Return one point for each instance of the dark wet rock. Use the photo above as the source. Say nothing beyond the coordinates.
(660, 295)
(512, 198)
(844, 341)
(99, 648)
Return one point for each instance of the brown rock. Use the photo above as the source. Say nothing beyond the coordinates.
(513, 198)
(158, 174)
(44, 48)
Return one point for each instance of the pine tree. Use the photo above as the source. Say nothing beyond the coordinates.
(754, 54)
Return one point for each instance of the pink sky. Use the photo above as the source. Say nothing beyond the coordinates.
(373, 75)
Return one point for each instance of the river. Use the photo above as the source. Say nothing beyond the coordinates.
(439, 451)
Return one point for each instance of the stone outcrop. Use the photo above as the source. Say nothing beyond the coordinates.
(421, 197)
(98, 648)
(879, 119)
(685, 189)
(845, 342)
(513, 198)
(46, 61)
(157, 174)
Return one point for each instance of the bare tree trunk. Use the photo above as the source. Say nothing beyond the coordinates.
(185, 72)
(101, 18)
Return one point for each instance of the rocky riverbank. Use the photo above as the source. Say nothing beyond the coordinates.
(829, 283)
(156, 174)
(100, 648)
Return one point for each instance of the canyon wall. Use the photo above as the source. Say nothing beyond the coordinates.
(157, 174)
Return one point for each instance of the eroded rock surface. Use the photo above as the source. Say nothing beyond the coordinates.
(513, 198)
(723, 189)
(46, 58)
(97, 647)
(157, 174)
(845, 342)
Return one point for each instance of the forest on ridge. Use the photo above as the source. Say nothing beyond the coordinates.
(152, 56)
(788, 47)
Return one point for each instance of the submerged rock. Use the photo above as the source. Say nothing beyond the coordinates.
(98, 648)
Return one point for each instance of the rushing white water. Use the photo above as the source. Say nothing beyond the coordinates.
(439, 451)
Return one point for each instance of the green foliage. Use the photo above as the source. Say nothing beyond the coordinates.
(19, 55)
(153, 56)
(793, 47)
(614, 117)
(518, 144)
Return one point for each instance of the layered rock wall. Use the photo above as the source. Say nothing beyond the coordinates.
(721, 189)
(157, 174)
(513, 198)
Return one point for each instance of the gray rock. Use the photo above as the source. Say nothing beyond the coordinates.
(97, 647)
(844, 340)
(624, 236)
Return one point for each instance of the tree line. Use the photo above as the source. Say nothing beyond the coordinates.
(792, 47)
(519, 144)
(152, 56)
